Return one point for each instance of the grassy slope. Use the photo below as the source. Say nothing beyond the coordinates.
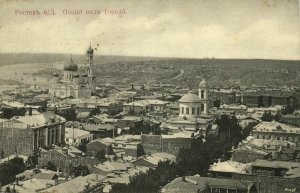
(144, 69)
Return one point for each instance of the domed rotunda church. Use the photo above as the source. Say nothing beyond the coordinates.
(193, 112)
(72, 83)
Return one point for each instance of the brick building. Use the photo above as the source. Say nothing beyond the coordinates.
(166, 143)
(98, 145)
(267, 98)
(66, 157)
(25, 134)
(277, 131)
(245, 155)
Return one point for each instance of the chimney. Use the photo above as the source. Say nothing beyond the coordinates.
(30, 111)
(183, 178)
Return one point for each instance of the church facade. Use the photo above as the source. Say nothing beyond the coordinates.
(73, 83)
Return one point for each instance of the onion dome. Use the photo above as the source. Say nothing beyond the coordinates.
(90, 50)
(55, 74)
(203, 83)
(70, 65)
(190, 98)
(76, 75)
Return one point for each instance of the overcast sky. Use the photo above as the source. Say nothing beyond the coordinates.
(170, 28)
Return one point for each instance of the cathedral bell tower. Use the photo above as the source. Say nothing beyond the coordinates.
(203, 95)
(90, 68)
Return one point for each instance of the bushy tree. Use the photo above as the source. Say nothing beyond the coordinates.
(82, 146)
(69, 114)
(268, 117)
(95, 111)
(81, 170)
(288, 110)
(10, 169)
(11, 112)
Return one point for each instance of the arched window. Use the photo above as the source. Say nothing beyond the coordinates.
(193, 110)
(198, 110)
(187, 111)
(202, 107)
(202, 94)
(182, 110)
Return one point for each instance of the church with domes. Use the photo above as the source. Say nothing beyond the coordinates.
(193, 112)
(73, 83)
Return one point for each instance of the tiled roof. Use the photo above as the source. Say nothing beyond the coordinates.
(275, 164)
(113, 166)
(229, 166)
(40, 119)
(107, 141)
(76, 185)
(76, 133)
(276, 127)
(193, 184)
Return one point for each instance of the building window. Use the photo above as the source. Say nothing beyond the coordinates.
(202, 94)
(193, 110)
(278, 138)
(187, 110)
(198, 110)
(202, 107)
(182, 110)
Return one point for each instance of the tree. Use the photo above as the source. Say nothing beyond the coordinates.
(69, 114)
(82, 146)
(95, 111)
(247, 130)
(11, 112)
(81, 170)
(230, 129)
(267, 116)
(10, 169)
(288, 110)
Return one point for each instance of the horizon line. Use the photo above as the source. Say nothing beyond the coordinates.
(161, 57)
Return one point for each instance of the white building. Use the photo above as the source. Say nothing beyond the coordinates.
(72, 83)
(74, 136)
(193, 112)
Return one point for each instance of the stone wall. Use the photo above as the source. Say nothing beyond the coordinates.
(12, 140)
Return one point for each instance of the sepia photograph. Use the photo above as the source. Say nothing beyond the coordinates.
(152, 96)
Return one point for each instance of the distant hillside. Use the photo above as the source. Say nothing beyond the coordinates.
(11, 58)
(187, 72)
